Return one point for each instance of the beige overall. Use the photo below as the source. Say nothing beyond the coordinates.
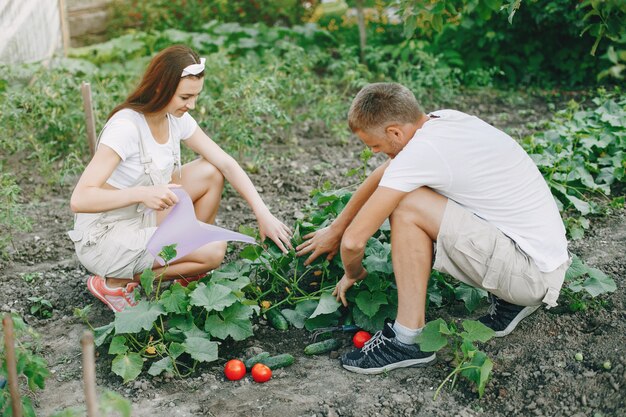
(113, 243)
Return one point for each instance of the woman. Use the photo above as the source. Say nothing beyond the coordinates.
(126, 190)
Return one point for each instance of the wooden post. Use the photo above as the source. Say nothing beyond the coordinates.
(360, 14)
(65, 32)
(90, 121)
(89, 374)
(9, 346)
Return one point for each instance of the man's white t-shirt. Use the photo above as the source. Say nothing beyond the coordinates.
(484, 170)
(122, 135)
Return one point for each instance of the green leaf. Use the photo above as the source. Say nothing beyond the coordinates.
(576, 232)
(582, 206)
(493, 4)
(201, 349)
(176, 349)
(476, 331)
(101, 333)
(430, 339)
(468, 348)
(298, 316)
(377, 257)
(374, 282)
(159, 366)
(598, 283)
(174, 299)
(147, 281)
(375, 323)
(479, 370)
(445, 330)
(36, 371)
(234, 270)
(323, 320)
(234, 284)
(182, 322)
(369, 303)
(212, 297)
(248, 231)
(138, 318)
(485, 373)
(234, 322)
(118, 346)
(168, 252)
(576, 269)
(435, 295)
(127, 366)
(328, 304)
(471, 296)
(251, 253)
(112, 401)
(27, 408)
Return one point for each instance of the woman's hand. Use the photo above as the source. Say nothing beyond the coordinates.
(325, 240)
(270, 226)
(344, 285)
(159, 197)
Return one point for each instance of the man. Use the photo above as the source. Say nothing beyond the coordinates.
(454, 181)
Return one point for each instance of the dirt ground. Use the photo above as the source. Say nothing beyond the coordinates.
(535, 373)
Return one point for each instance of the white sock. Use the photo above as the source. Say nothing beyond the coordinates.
(406, 335)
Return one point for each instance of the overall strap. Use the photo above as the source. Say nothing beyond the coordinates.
(175, 147)
(145, 158)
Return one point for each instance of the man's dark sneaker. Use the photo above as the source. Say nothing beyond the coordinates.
(384, 352)
(503, 316)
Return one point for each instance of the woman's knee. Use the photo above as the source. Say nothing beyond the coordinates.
(213, 176)
(215, 253)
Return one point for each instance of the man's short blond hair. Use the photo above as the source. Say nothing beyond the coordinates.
(379, 105)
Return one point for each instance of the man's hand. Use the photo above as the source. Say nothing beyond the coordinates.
(344, 285)
(321, 241)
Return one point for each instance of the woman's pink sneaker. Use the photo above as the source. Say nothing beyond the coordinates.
(116, 298)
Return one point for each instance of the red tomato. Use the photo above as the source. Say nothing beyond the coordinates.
(261, 373)
(234, 369)
(360, 338)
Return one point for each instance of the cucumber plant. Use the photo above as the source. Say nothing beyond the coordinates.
(469, 362)
(174, 329)
(584, 284)
(30, 366)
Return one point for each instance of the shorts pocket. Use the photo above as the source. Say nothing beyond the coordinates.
(524, 289)
(483, 257)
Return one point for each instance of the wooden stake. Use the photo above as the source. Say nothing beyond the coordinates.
(360, 14)
(9, 346)
(65, 32)
(89, 374)
(90, 121)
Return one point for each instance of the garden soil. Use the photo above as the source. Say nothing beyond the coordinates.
(535, 372)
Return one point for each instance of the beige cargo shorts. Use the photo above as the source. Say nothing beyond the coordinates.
(479, 254)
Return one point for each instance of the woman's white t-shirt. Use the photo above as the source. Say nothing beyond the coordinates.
(122, 135)
(487, 172)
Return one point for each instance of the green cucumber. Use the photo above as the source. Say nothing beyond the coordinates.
(273, 362)
(256, 359)
(278, 361)
(276, 319)
(321, 347)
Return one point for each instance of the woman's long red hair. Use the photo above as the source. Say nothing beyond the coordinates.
(159, 82)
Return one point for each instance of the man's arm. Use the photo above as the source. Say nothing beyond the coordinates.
(327, 240)
(368, 220)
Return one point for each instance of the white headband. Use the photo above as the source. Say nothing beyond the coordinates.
(194, 69)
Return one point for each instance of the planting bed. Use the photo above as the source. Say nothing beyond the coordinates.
(535, 371)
